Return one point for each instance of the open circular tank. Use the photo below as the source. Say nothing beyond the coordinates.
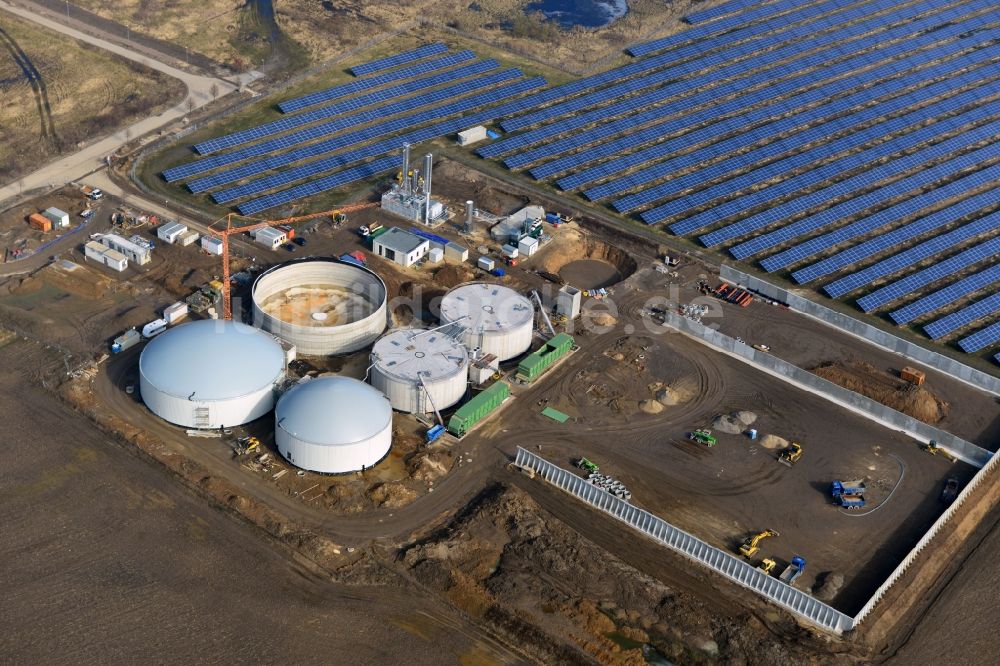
(323, 306)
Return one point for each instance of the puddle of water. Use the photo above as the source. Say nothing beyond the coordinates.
(584, 13)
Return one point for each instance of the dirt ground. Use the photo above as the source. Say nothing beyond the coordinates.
(57, 94)
(18, 238)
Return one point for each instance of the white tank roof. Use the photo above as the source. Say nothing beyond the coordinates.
(333, 411)
(212, 360)
(486, 307)
(411, 353)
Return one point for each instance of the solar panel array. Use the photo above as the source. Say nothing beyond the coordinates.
(389, 62)
(815, 137)
(980, 309)
(979, 340)
(367, 83)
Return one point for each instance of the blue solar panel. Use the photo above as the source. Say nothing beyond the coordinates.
(319, 185)
(388, 62)
(854, 255)
(726, 8)
(971, 313)
(359, 85)
(946, 296)
(937, 271)
(875, 221)
(850, 127)
(853, 187)
(981, 339)
(346, 106)
(346, 122)
(309, 169)
(376, 131)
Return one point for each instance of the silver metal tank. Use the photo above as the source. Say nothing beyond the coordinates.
(419, 370)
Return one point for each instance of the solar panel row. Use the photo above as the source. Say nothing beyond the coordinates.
(779, 114)
(346, 106)
(883, 242)
(713, 29)
(726, 8)
(752, 68)
(853, 187)
(964, 317)
(386, 145)
(319, 185)
(909, 257)
(359, 85)
(388, 62)
(346, 122)
(719, 181)
(376, 131)
(981, 339)
(945, 296)
(874, 221)
(777, 34)
(937, 271)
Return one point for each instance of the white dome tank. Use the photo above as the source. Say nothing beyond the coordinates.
(409, 363)
(210, 374)
(333, 425)
(323, 306)
(495, 318)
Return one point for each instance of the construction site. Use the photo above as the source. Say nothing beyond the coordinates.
(504, 422)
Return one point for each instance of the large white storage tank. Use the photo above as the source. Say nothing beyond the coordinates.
(495, 318)
(210, 374)
(419, 370)
(322, 306)
(333, 425)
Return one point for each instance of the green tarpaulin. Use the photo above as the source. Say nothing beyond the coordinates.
(555, 415)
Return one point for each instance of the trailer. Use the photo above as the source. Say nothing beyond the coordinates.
(793, 570)
(838, 488)
(478, 408)
(129, 338)
(849, 501)
(533, 365)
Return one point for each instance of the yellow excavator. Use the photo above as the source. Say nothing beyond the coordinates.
(791, 455)
(767, 565)
(752, 543)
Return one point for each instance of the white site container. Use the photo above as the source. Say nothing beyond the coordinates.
(174, 313)
(485, 263)
(527, 246)
(436, 255)
(509, 251)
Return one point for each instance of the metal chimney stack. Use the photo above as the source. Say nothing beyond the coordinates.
(469, 208)
(405, 180)
(428, 167)
(415, 182)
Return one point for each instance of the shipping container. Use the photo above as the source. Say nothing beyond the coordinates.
(912, 375)
(478, 408)
(40, 222)
(533, 365)
(485, 263)
(456, 252)
(60, 218)
(174, 313)
(436, 255)
(211, 244)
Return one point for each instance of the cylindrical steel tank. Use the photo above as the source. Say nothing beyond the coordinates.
(322, 306)
(210, 374)
(333, 425)
(419, 370)
(494, 318)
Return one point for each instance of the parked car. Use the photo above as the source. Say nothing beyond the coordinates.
(288, 246)
(299, 240)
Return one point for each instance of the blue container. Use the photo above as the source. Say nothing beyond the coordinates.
(492, 134)
(553, 218)
(498, 272)
(752, 433)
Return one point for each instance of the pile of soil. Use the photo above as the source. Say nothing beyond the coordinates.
(828, 586)
(773, 442)
(745, 417)
(651, 406)
(869, 381)
(729, 424)
(602, 319)
(391, 495)
(667, 396)
(452, 275)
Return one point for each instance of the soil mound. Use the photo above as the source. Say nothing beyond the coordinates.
(869, 381)
(667, 396)
(651, 406)
(773, 442)
(452, 276)
(745, 417)
(729, 424)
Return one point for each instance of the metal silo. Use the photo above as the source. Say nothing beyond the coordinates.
(210, 374)
(494, 318)
(333, 425)
(420, 370)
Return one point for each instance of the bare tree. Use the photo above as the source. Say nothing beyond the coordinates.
(128, 134)
(20, 186)
(214, 90)
(189, 104)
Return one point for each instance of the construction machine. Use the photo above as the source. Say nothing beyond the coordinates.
(751, 544)
(588, 466)
(793, 570)
(702, 436)
(247, 445)
(791, 455)
(767, 565)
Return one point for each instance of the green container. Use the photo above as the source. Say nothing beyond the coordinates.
(541, 360)
(476, 409)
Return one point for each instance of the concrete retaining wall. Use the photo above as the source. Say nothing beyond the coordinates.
(872, 334)
(807, 381)
(739, 571)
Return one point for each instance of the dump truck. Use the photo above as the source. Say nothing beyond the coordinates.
(849, 501)
(950, 491)
(838, 488)
(793, 570)
(702, 436)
